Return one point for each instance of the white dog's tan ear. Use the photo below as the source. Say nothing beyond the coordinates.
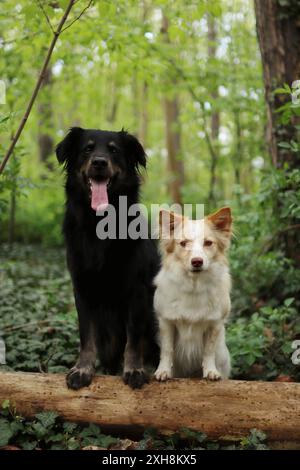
(169, 218)
(168, 221)
(221, 219)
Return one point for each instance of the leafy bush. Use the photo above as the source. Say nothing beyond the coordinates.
(38, 318)
(261, 345)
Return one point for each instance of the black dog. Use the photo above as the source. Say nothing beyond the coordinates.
(112, 278)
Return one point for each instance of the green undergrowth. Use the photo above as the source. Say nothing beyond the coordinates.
(39, 328)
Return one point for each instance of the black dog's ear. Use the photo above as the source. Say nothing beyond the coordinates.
(134, 149)
(67, 146)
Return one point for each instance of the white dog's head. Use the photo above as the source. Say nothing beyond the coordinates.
(195, 244)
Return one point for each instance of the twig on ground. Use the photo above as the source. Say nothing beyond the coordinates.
(10, 328)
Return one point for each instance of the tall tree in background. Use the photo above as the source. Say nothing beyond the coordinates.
(113, 88)
(144, 99)
(215, 117)
(278, 29)
(144, 118)
(175, 165)
(45, 119)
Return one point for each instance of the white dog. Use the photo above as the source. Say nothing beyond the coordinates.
(192, 299)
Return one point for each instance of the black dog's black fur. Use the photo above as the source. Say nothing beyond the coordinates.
(112, 278)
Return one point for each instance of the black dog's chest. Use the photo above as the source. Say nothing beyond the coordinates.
(109, 267)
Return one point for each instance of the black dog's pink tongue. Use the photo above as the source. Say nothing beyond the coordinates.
(99, 195)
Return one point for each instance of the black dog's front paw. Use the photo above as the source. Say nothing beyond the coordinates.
(79, 377)
(135, 378)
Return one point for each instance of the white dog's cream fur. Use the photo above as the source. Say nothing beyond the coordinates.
(192, 304)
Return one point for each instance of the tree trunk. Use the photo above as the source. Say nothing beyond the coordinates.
(175, 166)
(113, 109)
(143, 129)
(135, 101)
(278, 30)
(12, 214)
(175, 163)
(238, 147)
(143, 103)
(215, 117)
(225, 409)
(45, 120)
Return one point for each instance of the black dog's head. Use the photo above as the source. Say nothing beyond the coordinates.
(101, 161)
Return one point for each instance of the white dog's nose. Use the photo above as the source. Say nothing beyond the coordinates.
(196, 262)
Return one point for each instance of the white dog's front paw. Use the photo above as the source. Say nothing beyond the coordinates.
(212, 374)
(163, 374)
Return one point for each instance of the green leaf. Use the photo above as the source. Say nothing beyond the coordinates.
(106, 441)
(47, 418)
(289, 301)
(196, 435)
(5, 432)
(29, 445)
(4, 119)
(69, 427)
(5, 404)
(16, 426)
(284, 145)
(56, 438)
(57, 447)
(73, 444)
(258, 435)
(282, 91)
(39, 430)
(91, 431)
(150, 432)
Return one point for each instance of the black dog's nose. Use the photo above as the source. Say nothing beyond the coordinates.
(99, 162)
(197, 262)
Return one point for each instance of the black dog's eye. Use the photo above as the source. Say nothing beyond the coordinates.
(112, 148)
(89, 148)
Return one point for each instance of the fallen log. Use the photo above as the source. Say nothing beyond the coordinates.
(223, 410)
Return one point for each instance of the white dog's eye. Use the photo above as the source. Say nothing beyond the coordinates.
(208, 242)
(183, 243)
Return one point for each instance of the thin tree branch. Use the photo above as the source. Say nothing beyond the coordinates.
(290, 227)
(5, 42)
(79, 16)
(45, 15)
(56, 34)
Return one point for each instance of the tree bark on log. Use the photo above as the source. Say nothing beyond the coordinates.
(222, 410)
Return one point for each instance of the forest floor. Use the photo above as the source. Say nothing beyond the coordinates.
(39, 327)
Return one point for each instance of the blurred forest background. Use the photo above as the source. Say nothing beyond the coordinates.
(210, 99)
(185, 77)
